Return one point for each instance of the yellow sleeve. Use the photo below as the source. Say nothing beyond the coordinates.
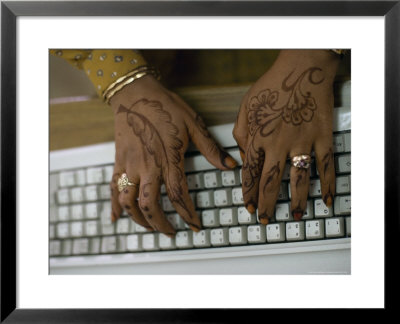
(102, 66)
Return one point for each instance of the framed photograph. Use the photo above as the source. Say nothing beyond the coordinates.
(38, 288)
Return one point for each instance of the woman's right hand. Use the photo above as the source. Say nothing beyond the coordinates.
(153, 127)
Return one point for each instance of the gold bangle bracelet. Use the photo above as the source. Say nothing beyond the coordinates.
(121, 79)
(127, 80)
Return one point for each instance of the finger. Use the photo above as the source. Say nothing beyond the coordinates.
(299, 186)
(149, 204)
(128, 201)
(178, 193)
(251, 172)
(207, 145)
(270, 184)
(326, 168)
(240, 130)
(116, 209)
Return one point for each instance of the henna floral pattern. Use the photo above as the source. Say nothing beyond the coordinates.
(264, 115)
(164, 148)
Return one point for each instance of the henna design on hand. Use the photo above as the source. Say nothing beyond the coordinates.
(164, 148)
(273, 173)
(263, 115)
(327, 160)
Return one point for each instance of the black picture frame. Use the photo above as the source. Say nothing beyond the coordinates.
(10, 11)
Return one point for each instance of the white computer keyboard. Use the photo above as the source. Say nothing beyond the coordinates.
(82, 238)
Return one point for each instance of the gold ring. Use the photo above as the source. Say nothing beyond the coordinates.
(301, 161)
(124, 182)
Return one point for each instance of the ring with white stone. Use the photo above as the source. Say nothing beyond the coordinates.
(124, 182)
(301, 161)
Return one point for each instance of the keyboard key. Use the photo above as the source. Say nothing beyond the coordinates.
(91, 193)
(80, 246)
(338, 143)
(283, 191)
(77, 194)
(282, 212)
(63, 196)
(230, 178)
(121, 243)
(176, 221)
(167, 204)
(228, 216)
(63, 213)
(123, 225)
(92, 210)
(108, 229)
(342, 205)
(77, 212)
(315, 188)
(134, 242)
(62, 230)
(275, 232)
(343, 164)
(54, 248)
(238, 235)
(343, 184)
(295, 231)
(165, 242)
(212, 179)
(210, 218)
(334, 227)
(139, 228)
(105, 191)
(195, 181)
(184, 240)
(92, 228)
(53, 214)
(348, 226)
(94, 175)
(219, 236)
(80, 177)
(309, 211)
(347, 142)
(315, 229)
(95, 245)
(66, 179)
(105, 213)
(223, 197)
(202, 239)
(150, 242)
(66, 247)
(205, 199)
(320, 209)
(77, 229)
(108, 172)
(52, 231)
(109, 244)
(244, 217)
(237, 196)
(256, 234)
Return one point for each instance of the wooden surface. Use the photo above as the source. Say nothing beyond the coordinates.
(91, 121)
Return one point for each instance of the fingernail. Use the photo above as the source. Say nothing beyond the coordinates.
(113, 217)
(242, 155)
(251, 209)
(328, 200)
(194, 228)
(229, 162)
(149, 228)
(297, 215)
(263, 219)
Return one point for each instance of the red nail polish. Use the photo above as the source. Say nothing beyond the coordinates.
(297, 215)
